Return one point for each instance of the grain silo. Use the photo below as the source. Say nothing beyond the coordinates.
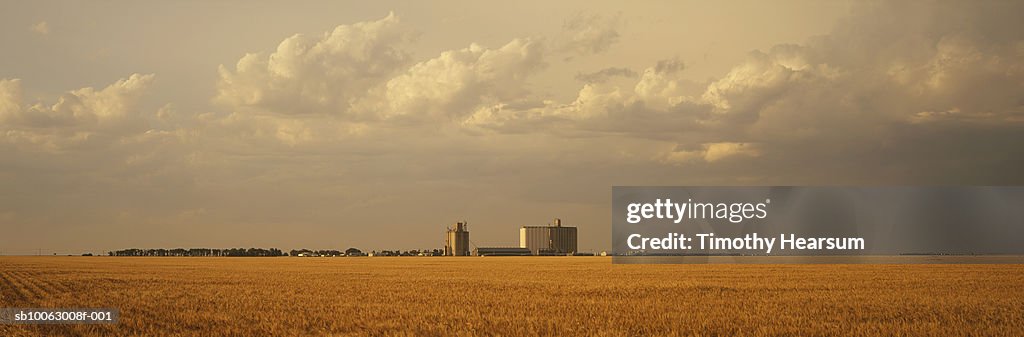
(553, 239)
(457, 240)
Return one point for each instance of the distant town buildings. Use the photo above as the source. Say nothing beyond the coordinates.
(553, 239)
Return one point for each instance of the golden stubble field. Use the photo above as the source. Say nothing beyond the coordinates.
(163, 296)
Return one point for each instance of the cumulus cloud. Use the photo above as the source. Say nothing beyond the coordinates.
(659, 101)
(360, 74)
(328, 73)
(87, 156)
(873, 102)
(345, 124)
(80, 116)
(880, 85)
(891, 89)
(454, 83)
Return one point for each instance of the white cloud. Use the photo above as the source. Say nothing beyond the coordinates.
(79, 116)
(326, 74)
(359, 74)
(660, 100)
(89, 155)
(661, 87)
(893, 80)
(453, 84)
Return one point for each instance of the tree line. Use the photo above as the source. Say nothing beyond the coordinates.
(267, 252)
(327, 252)
(199, 252)
(414, 252)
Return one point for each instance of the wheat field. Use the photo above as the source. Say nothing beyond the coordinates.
(165, 296)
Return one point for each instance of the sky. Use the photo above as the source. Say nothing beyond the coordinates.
(329, 125)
